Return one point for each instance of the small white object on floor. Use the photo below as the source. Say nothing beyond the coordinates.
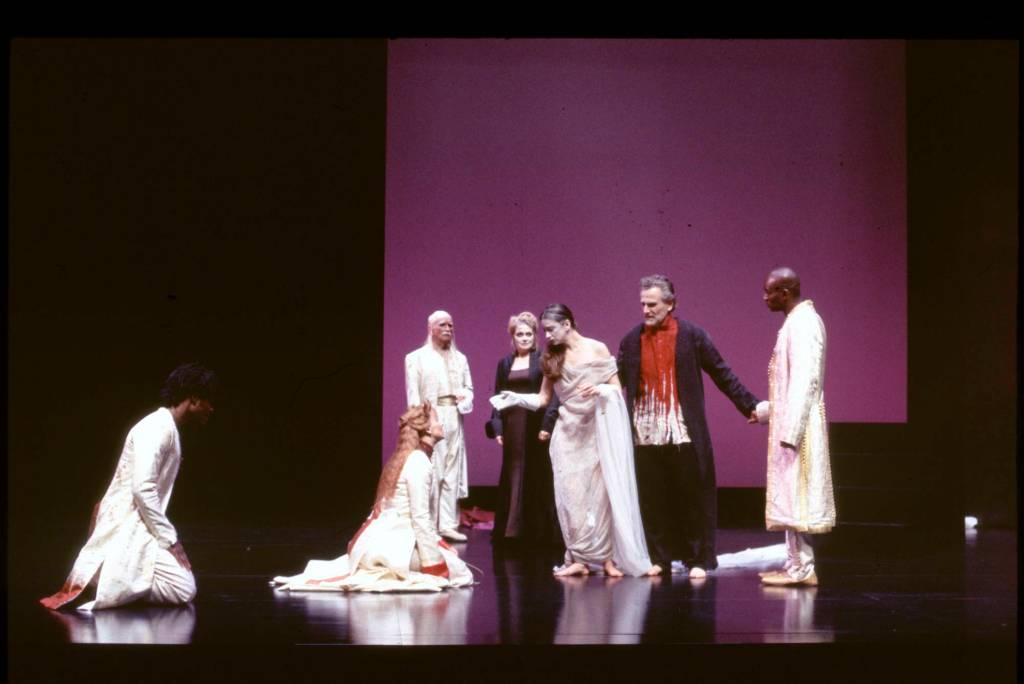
(970, 522)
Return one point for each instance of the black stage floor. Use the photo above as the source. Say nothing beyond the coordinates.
(950, 615)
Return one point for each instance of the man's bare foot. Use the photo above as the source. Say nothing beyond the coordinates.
(698, 573)
(655, 571)
(573, 570)
(611, 570)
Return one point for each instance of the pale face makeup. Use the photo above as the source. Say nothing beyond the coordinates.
(441, 331)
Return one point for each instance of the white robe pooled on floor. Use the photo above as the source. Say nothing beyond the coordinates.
(799, 493)
(132, 530)
(397, 549)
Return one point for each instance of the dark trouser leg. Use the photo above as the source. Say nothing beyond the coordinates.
(655, 504)
(675, 472)
(701, 504)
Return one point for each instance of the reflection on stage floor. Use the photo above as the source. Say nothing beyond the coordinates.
(966, 593)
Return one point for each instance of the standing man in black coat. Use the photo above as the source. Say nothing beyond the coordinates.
(660, 363)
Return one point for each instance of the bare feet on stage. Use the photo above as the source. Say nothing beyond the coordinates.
(579, 569)
(655, 571)
(698, 573)
(574, 570)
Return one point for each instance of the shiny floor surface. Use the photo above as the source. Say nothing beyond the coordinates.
(964, 599)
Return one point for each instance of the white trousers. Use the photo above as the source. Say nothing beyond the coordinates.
(172, 584)
(799, 554)
(447, 460)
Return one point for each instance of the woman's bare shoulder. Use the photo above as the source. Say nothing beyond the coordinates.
(597, 348)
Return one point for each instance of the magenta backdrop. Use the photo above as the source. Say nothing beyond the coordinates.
(522, 172)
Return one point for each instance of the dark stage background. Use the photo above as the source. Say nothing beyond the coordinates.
(223, 201)
(210, 200)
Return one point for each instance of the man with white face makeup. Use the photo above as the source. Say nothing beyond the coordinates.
(439, 373)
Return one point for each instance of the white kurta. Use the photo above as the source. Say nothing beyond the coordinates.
(799, 493)
(395, 550)
(428, 375)
(132, 528)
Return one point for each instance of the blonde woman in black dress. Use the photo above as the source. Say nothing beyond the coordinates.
(525, 509)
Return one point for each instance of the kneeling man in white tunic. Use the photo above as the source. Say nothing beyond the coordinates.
(133, 552)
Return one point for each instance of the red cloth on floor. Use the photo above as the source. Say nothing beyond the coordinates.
(476, 517)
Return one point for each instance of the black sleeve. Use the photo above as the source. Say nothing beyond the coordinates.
(550, 414)
(620, 362)
(725, 380)
(492, 428)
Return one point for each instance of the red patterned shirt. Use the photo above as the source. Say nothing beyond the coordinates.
(657, 417)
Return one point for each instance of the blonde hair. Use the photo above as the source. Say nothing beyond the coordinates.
(525, 318)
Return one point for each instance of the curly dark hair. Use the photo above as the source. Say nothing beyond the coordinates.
(186, 381)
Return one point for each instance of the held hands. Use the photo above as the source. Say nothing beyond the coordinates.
(760, 413)
(178, 551)
(543, 435)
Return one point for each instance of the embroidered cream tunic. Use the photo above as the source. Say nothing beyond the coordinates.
(429, 375)
(799, 493)
(131, 524)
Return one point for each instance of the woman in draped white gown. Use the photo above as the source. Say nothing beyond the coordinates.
(591, 452)
(397, 548)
